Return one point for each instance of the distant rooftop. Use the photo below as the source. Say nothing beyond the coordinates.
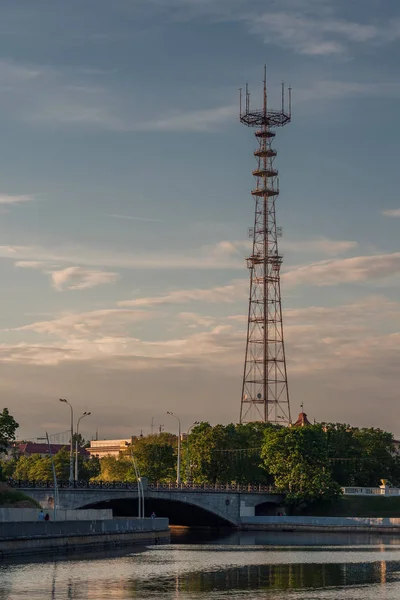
(302, 420)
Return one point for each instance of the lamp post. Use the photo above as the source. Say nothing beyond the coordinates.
(55, 501)
(85, 414)
(178, 466)
(71, 453)
(188, 469)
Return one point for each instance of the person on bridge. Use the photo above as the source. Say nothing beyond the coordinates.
(153, 515)
(41, 516)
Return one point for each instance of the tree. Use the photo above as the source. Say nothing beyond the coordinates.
(89, 468)
(155, 457)
(361, 457)
(114, 468)
(211, 453)
(8, 427)
(298, 459)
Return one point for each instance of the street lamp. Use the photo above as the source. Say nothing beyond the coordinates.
(85, 414)
(188, 465)
(71, 452)
(178, 467)
(55, 499)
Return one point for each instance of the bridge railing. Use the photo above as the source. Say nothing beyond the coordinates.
(127, 485)
(85, 485)
(211, 487)
(371, 491)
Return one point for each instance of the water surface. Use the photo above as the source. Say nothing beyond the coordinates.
(229, 566)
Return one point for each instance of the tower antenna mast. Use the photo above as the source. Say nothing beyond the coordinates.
(265, 394)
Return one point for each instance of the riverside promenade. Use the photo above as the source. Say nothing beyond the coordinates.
(23, 534)
(321, 524)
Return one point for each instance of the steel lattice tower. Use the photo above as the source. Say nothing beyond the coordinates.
(265, 395)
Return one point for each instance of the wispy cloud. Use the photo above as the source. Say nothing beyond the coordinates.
(85, 325)
(394, 212)
(321, 245)
(70, 278)
(197, 258)
(315, 34)
(134, 218)
(9, 199)
(78, 278)
(227, 293)
(346, 270)
(65, 98)
(29, 264)
(191, 121)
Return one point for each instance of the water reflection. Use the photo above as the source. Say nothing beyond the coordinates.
(280, 567)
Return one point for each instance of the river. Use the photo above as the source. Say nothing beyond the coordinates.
(214, 566)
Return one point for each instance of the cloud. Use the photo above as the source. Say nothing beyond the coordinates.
(70, 278)
(395, 212)
(9, 199)
(194, 320)
(346, 336)
(29, 264)
(78, 278)
(319, 245)
(191, 121)
(324, 89)
(233, 292)
(198, 258)
(74, 97)
(347, 270)
(134, 218)
(96, 323)
(318, 34)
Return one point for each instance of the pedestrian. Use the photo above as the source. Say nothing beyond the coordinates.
(41, 516)
(153, 515)
(47, 517)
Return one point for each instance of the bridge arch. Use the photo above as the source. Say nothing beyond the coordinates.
(183, 512)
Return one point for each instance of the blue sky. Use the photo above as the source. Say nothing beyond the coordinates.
(125, 182)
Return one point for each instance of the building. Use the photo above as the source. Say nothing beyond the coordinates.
(101, 448)
(302, 420)
(30, 448)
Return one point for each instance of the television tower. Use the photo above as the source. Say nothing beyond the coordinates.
(265, 395)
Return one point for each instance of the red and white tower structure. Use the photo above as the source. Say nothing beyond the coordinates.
(265, 394)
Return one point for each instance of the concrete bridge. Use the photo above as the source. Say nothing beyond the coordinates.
(183, 504)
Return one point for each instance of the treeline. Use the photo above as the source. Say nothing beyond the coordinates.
(308, 464)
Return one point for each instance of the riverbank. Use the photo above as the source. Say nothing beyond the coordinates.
(322, 524)
(26, 538)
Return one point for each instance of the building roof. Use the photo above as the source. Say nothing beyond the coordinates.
(302, 420)
(36, 448)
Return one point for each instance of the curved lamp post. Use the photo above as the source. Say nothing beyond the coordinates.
(71, 453)
(85, 414)
(178, 466)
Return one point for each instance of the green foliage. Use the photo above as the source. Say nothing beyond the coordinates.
(155, 457)
(225, 454)
(298, 459)
(10, 498)
(89, 468)
(114, 468)
(8, 427)
(361, 457)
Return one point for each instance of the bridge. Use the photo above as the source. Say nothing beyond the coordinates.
(183, 504)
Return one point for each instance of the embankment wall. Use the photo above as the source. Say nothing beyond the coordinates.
(61, 536)
(8, 515)
(323, 524)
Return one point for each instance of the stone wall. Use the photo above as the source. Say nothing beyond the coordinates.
(8, 515)
(325, 524)
(60, 536)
